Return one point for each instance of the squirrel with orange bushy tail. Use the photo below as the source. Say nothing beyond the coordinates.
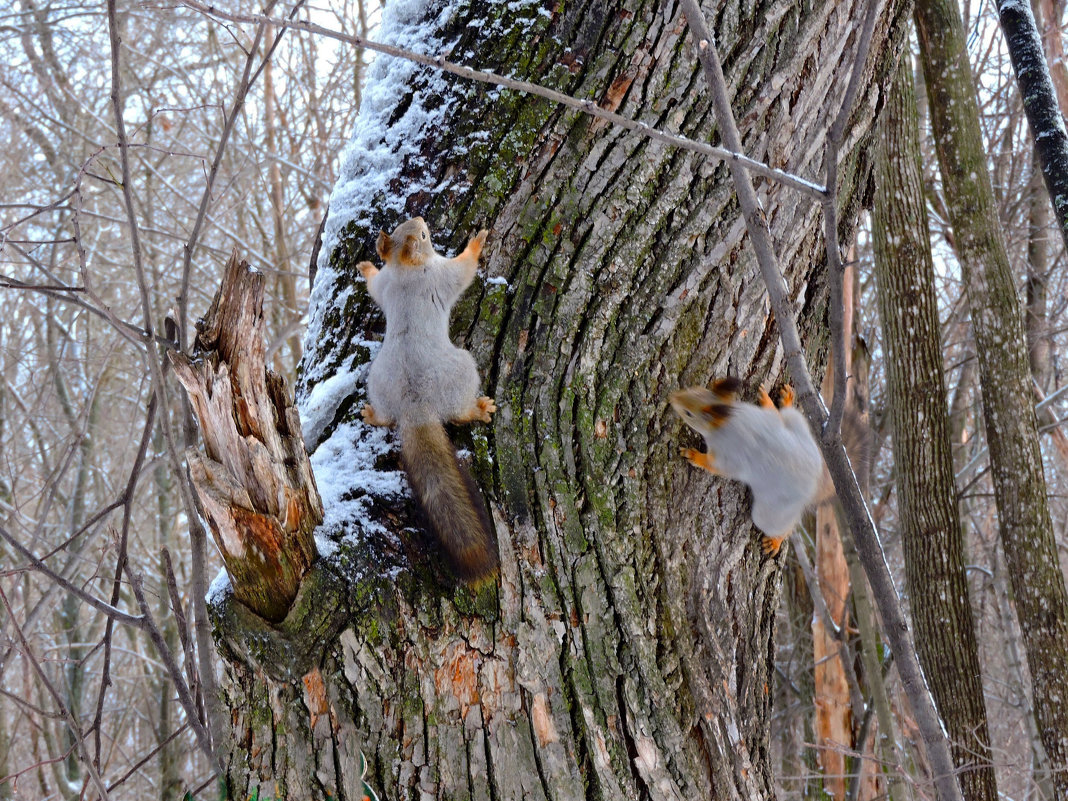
(769, 448)
(420, 380)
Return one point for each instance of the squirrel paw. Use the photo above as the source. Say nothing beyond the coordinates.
(485, 405)
(372, 418)
(786, 396)
(367, 270)
(765, 399)
(480, 410)
(771, 545)
(476, 243)
(706, 461)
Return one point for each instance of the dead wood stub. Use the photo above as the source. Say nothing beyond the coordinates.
(253, 479)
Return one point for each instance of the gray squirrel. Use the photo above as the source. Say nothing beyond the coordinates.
(420, 380)
(770, 449)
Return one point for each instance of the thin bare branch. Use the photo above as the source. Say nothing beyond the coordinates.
(72, 723)
(836, 270)
(92, 600)
(807, 188)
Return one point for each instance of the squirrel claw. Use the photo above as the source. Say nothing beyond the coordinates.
(786, 396)
(771, 545)
(486, 406)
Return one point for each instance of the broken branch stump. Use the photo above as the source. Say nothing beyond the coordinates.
(253, 479)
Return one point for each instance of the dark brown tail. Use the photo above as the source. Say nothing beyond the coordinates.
(451, 502)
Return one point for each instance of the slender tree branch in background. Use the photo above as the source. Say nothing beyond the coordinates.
(204, 739)
(120, 563)
(845, 483)
(72, 723)
(1039, 102)
(199, 580)
(807, 188)
(92, 600)
(846, 652)
(835, 269)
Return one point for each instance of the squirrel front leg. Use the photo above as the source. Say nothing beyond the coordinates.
(481, 410)
(368, 271)
(706, 461)
(467, 261)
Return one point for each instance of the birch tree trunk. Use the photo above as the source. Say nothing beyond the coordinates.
(626, 650)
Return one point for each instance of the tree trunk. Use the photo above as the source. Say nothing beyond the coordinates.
(625, 652)
(927, 500)
(1039, 102)
(1016, 463)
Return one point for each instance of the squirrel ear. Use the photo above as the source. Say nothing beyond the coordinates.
(716, 413)
(384, 245)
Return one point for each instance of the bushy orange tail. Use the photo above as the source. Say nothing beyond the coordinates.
(451, 502)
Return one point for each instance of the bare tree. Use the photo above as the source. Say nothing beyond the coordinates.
(1019, 485)
(927, 503)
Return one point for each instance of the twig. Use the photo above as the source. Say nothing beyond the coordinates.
(845, 483)
(148, 756)
(82, 595)
(835, 269)
(846, 655)
(184, 696)
(807, 188)
(183, 623)
(72, 723)
(120, 562)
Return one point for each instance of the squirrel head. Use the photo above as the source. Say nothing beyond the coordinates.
(701, 408)
(408, 246)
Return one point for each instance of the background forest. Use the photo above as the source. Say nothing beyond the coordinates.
(235, 135)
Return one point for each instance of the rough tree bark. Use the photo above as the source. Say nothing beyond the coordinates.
(1008, 412)
(927, 499)
(626, 650)
(1039, 102)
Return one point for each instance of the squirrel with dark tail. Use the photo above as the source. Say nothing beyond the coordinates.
(420, 380)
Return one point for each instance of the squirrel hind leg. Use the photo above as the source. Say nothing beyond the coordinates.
(771, 545)
(373, 418)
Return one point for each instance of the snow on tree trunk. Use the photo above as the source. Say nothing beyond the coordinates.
(626, 650)
(1039, 101)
